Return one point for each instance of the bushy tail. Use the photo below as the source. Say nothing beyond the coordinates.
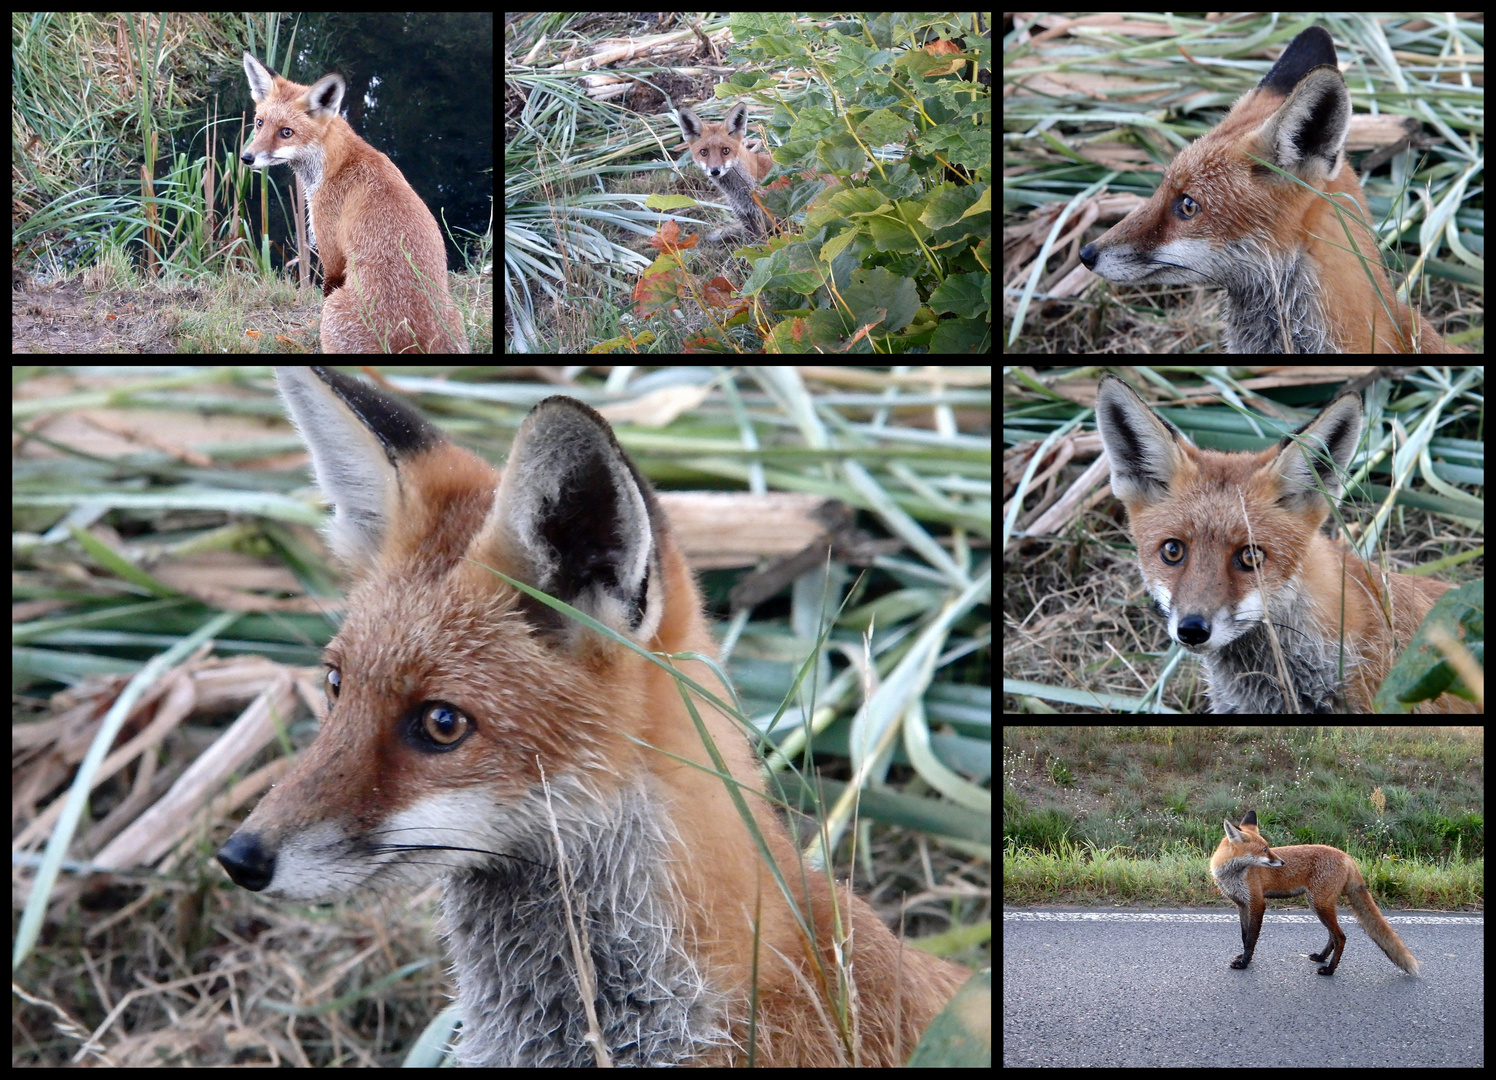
(1379, 929)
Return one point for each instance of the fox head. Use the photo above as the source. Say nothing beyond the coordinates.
(718, 147)
(1222, 538)
(1247, 842)
(291, 120)
(449, 690)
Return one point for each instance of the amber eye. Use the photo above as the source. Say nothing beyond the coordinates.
(1188, 207)
(444, 725)
(334, 683)
(1172, 552)
(1251, 558)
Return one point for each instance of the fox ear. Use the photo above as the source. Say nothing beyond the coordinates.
(360, 441)
(690, 124)
(261, 78)
(575, 519)
(1306, 468)
(737, 120)
(325, 98)
(1144, 450)
(1306, 136)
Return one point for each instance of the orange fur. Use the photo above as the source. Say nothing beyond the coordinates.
(1248, 873)
(383, 261)
(1228, 542)
(1293, 281)
(455, 696)
(730, 164)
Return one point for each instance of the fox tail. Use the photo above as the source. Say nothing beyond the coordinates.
(1379, 929)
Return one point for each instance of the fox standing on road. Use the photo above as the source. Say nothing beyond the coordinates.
(1230, 542)
(1294, 283)
(384, 265)
(1246, 870)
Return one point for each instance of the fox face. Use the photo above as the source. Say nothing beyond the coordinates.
(1215, 218)
(575, 784)
(1246, 845)
(456, 780)
(1296, 279)
(1232, 554)
(291, 121)
(1214, 572)
(718, 147)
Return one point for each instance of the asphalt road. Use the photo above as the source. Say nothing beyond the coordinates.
(1099, 989)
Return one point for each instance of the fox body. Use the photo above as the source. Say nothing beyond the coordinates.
(1294, 282)
(1248, 873)
(554, 779)
(383, 261)
(734, 169)
(1231, 542)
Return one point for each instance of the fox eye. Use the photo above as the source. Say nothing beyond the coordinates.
(1188, 207)
(444, 725)
(1250, 558)
(334, 682)
(1172, 552)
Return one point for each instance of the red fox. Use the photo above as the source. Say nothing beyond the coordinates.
(1231, 542)
(1294, 281)
(1246, 870)
(735, 170)
(586, 817)
(384, 264)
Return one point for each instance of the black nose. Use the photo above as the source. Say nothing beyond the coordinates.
(248, 861)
